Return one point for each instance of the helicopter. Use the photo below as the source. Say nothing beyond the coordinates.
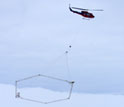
(84, 12)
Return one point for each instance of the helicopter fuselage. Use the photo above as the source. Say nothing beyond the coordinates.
(85, 14)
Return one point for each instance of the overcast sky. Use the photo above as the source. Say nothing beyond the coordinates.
(33, 33)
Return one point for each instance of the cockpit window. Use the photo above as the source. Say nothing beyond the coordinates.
(88, 14)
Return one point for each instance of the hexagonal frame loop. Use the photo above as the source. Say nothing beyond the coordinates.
(18, 94)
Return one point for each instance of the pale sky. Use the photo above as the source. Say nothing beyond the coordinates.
(33, 33)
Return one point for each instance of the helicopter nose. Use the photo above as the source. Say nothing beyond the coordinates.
(92, 16)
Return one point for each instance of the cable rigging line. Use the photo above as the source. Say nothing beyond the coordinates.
(70, 82)
(67, 63)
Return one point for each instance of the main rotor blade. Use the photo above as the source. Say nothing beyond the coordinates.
(79, 8)
(87, 9)
(95, 9)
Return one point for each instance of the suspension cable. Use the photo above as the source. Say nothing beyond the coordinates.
(18, 94)
(67, 62)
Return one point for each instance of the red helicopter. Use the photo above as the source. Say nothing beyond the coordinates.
(84, 12)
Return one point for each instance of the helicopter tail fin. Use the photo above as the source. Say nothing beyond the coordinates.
(70, 8)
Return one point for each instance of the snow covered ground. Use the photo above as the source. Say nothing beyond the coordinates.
(7, 99)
